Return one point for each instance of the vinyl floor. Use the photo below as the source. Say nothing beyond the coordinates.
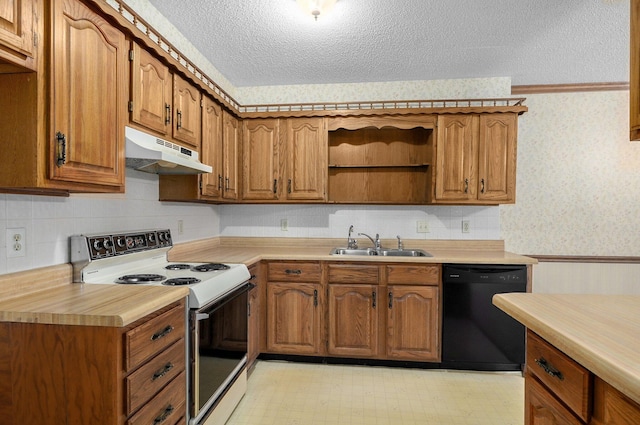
(285, 393)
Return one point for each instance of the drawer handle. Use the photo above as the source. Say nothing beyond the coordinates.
(166, 331)
(289, 271)
(542, 362)
(163, 417)
(160, 373)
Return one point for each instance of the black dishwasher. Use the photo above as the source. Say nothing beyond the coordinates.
(476, 335)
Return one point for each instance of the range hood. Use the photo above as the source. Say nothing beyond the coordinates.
(150, 154)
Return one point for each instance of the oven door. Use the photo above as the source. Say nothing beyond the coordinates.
(218, 349)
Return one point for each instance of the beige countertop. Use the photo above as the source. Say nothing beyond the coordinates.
(47, 295)
(601, 332)
(68, 303)
(251, 250)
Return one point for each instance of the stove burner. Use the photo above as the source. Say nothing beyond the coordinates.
(178, 267)
(209, 267)
(178, 281)
(140, 278)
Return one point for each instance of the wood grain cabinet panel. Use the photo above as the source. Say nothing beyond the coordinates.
(187, 113)
(353, 320)
(151, 92)
(542, 408)
(17, 32)
(231, 138)
(89, 92)
(476, 159)
(211, 152)
(611, 407)
(284, 159)
(294, 318)
(413, 324)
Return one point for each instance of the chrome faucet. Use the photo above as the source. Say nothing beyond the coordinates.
(375, 242)
(351, 243)
(400, 244)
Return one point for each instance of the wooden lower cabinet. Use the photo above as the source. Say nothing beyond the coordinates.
(413, 323)
(353, 321)
(372, 311)
(74, 374)
(559, 391)
(294, 318)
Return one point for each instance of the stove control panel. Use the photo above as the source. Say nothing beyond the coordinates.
(105, 246)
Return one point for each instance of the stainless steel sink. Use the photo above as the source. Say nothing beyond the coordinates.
(404, 253)
(382, 252)
(351, 251)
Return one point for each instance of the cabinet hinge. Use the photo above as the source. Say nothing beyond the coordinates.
(131, 55)
(131, 106)
(200, 184)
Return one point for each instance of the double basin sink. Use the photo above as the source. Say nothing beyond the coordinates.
(384, 252)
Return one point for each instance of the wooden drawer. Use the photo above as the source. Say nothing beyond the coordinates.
(353, 273)
(145, 382)
(154, 336)
(413, 274)
(294, 272)
(543, 408)
(169, 406)
(565, 378)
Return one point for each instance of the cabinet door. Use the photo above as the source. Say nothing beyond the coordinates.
(497, 157)
(151, 91)
(353, 320)
(89, 81)
(413, 324)
(212, 148)
(188, 112)
(293, 318)
(307, 156)
(261, 159)
(16, 27)
(231, 143)
(456, 158)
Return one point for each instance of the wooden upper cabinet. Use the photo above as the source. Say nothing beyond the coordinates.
(187, 112)
(212, 148)
(17, 32)
(151, 91)
(497, 158)
(261, 159)
(284, 159)
(456, 157)
(231, 131)
(634, 73)
(476, 159)
(89, 94)
(307, 153)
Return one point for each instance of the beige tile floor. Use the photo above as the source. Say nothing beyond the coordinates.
(282, 393)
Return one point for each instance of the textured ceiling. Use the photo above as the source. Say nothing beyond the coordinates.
(269, 42)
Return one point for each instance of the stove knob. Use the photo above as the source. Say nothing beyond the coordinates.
(152, 237)
(107, 243)
(161, 236)
(120, 242)
(167, 236)
(97, 244)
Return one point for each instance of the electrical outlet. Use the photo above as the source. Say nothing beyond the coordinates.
(16, 242)
(284, 224)
(466, 226)
(422, 226)
(180, 227)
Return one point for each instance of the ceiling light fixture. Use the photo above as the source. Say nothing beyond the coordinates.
(316, 7)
